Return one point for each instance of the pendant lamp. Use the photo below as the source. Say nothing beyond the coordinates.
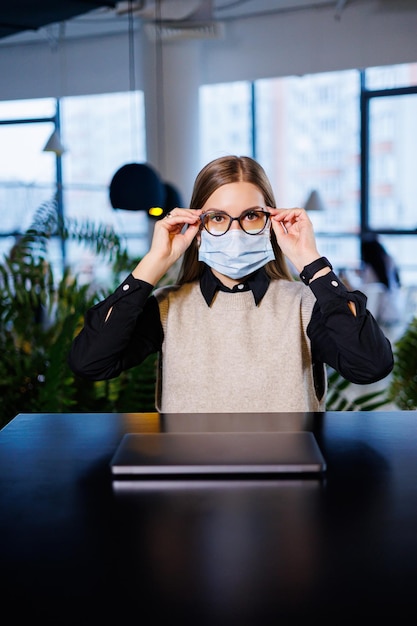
(314, 202)
(54, 144)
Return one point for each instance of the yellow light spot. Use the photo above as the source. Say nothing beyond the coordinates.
(155, 211)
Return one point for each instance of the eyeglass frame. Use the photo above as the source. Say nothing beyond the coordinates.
(233, 219)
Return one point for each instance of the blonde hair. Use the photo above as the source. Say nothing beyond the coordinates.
(222, 171)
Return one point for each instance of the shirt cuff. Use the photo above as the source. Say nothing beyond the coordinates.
(327, 287)
(131, 285)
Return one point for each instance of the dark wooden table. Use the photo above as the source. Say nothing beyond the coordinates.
(338, 550)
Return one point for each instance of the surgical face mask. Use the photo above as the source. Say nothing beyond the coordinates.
(236, 254)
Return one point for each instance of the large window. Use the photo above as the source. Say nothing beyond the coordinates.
(314, 133)
(351, 136)
(389, 157)
(100, 134)
(27, 174)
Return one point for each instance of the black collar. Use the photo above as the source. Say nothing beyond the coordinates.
(258, 283)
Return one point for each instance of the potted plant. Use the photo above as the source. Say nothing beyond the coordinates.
(39, 317)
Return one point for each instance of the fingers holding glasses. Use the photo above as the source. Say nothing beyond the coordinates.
(187, 216)
(179, 224)
(295, 234)
(291, 216)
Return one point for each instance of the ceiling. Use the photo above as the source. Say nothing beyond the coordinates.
(29, 15)
(29, 20)
(22, 20)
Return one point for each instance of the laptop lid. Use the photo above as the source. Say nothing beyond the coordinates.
(179, 454)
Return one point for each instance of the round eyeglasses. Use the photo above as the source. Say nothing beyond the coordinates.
(252, 221)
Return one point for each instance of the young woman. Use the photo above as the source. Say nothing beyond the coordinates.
(236, 333)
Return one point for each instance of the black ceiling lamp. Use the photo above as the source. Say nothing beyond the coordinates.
(136, 187)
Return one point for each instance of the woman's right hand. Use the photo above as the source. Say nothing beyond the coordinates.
(170, 240)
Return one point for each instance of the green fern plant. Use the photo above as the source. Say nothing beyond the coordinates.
(40, 316)
(338, 398)
(403, 385)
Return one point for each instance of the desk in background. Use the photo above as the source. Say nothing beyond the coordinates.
(341, 549)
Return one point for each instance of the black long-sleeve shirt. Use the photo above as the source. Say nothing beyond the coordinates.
(354, 345)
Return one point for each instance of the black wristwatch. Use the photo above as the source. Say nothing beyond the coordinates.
(311, 269)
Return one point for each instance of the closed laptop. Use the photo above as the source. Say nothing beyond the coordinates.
(217, 453)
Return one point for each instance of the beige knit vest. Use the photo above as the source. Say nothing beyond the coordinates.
(235, 356)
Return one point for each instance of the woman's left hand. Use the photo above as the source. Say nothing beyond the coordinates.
(295, 235)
